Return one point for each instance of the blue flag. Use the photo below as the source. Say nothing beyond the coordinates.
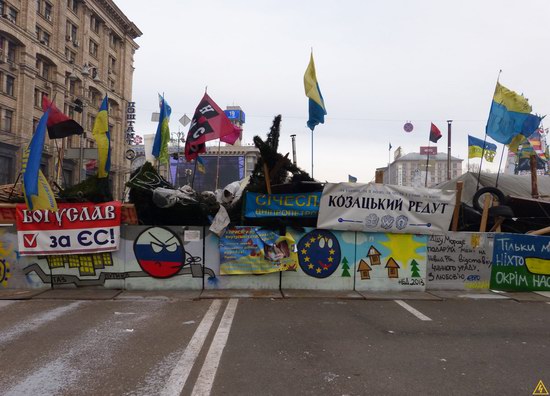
(37, 191)
(510, 115)
(162, 137)
(317, 110)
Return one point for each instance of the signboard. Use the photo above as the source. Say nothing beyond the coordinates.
(237, 115)
(521, 263)
(385, 208)
(425, 150)
(250, 250)
(74, 229)
(282, 205)
(130, 121)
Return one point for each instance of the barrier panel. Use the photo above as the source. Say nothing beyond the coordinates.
(390, 262)
(459, 261)
(521, 263)
(218, 281)
(325, 261)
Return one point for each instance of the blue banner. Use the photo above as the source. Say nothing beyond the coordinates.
(282, 205)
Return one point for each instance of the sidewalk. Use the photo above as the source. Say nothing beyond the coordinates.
(86, 293)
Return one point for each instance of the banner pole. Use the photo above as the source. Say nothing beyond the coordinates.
(312, 153)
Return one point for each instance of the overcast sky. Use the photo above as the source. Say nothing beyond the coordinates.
(379, 64)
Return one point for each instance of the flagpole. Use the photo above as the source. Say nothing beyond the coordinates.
(312, 153)
(500, 164)
(427, 164)
(389, 163)
(218, 165)
(194, 172)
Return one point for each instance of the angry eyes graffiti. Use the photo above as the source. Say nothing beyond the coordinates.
(159, 252)
(319, 253)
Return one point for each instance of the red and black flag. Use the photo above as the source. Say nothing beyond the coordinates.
(59, 125)
(209, 123)
(435, 134)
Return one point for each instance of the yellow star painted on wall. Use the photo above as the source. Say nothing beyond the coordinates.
(330, 259)
(306, 259)
(331, 252)
(304, 251)
(312, 239)
(310, 266)
(307, 244)
(318, 270)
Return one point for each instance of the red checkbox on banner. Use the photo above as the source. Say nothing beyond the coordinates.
(29, 240)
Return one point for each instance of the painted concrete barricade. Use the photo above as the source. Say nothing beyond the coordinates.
(521, 263)
(390, 262)
(459, 261)
(188, 258)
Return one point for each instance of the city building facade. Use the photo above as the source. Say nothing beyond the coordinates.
(411, 169)
(75, 52)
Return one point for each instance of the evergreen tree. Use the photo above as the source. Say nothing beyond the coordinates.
(345, 267)
(414, 269)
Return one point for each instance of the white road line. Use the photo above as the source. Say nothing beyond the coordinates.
(28, 325)
(412, 310)
(204, 382)
(181, 371)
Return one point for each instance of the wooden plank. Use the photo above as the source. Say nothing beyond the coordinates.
(485, 214)
(458, 200)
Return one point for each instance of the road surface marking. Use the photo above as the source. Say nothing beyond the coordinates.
(204, 382)
(183, 367)
(28, 325)
(412, 310)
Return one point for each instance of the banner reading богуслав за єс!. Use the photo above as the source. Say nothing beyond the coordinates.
(76, 228)
(385, 208)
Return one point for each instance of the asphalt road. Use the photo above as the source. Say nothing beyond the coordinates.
(172, 346)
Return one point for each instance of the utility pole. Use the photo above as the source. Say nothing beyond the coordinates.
(293, 149)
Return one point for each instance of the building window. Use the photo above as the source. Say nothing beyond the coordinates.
(93, 48)
(38, 98)
(11, 15)
(43, 68)
(42, 36)
(70, 55)
(72, 32)
(114, 40)
(35, 122)
(73, 5)
(7, 121)
(48, 11)
(112, 65)
(95, 23)
(6, 169)
(10, 85)
(38, 7)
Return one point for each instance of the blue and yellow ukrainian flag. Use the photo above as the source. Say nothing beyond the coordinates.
(103, 139)
(317, 110)
(36, 189)
(162, 137)
(200, 165)
(475, 149)
(510, 115)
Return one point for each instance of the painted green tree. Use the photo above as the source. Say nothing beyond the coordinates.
(345, 267)
(414, 269)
